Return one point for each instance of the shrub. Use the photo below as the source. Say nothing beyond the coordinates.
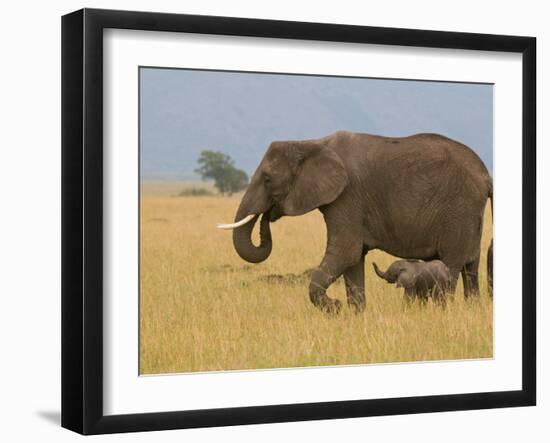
(195, 192)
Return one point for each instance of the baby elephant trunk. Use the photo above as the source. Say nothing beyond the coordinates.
(380, 274)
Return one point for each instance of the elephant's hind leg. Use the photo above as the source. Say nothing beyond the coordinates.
(355, 285)
(470, 278)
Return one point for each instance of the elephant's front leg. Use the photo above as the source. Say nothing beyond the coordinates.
(336, 261)
(344, 250)
(321, 279)
(355, 285)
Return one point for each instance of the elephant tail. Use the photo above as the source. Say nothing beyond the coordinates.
(490, 251)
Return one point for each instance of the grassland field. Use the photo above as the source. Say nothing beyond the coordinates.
(202, 308)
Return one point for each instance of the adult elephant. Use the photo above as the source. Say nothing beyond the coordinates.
(421, 196)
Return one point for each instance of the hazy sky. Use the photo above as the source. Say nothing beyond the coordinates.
(183, 112)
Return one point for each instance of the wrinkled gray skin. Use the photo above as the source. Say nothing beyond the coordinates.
(419, 279)
(419, 197)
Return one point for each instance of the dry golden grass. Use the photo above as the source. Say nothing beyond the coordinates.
(202, 308)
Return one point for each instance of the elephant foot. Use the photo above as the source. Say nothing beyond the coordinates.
(357, 305)
(333, 307)
(439, 299)
(325, 303)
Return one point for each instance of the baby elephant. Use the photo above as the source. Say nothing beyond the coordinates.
(420, 279)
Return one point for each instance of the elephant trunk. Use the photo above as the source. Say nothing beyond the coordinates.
(242, 238)
(380, 274)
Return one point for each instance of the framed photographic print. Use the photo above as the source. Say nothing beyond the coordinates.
(269, 221)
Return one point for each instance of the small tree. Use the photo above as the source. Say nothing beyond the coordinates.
(238, 180)
(221, 168)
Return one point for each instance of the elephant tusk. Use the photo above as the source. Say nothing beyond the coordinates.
(244, 221)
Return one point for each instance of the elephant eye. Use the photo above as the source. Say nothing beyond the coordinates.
(267, 178)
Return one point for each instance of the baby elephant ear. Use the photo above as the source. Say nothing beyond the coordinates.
(320, 177)
(405, 280)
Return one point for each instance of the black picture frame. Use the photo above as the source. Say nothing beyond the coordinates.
(82, 219)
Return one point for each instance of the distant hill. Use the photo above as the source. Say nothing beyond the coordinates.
(184, 112)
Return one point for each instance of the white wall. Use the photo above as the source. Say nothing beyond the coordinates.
(30, 218)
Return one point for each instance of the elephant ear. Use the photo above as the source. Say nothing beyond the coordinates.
(320, 178)
(405, 280)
